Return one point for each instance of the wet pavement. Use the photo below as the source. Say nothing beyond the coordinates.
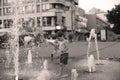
(107, 70)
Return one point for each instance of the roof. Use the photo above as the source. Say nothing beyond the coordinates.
(102, 17)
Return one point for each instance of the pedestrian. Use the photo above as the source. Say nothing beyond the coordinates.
(8, 58)
(70, 36)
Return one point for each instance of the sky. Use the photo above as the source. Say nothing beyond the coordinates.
(101, 4)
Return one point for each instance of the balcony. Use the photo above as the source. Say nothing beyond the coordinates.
(8, 13)
(49, 28)
(27, 1)
(55, 10)
(57, 1)
(52, 28)
(8, 4)
(52, 1)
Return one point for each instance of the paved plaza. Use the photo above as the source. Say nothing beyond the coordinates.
(107, 70)
(79, 49)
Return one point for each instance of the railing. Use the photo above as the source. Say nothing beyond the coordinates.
(7, 14)
(28, 1)
(8, 4)
(52, 1)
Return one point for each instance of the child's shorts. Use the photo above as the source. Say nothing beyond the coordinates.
(64, 58)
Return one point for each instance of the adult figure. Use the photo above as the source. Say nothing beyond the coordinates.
(70, 36)
(8, 57)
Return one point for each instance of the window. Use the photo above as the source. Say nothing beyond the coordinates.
(8, 23)
(55, 19)
(27, 1)
(38, 8)
(37, 0)
(38, 21)
(46, 7)
(30, 1)
(8, 11)
(43, 7)
(59, 18)
(0, 2)
(44, 21)
(45, 0)
(0, 12)
(63, 21)
(28, 23)
(49, 19)
(42, 0)
(22, 10)
(4, 1)
(58, 6)
(8, 2)
(67, 8)
(31, 22)
(0, 24)
(30, 9)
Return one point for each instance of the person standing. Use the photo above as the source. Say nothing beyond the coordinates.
(70, 37)
(63, 52)
(8, 58)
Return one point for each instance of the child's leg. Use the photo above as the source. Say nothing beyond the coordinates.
(61, 69)
(52, 57)
(93, 68)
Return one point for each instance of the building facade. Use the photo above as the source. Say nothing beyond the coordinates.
(99, 21)
(81, 25)
(48, 15)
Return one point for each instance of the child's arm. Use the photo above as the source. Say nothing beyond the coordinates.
(52, 42)
(66, 48)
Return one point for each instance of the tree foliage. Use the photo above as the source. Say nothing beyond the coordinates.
(113, 17)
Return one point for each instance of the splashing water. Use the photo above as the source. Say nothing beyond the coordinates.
(45, 64)
(45, 73)
(29, 56)
(91, 63)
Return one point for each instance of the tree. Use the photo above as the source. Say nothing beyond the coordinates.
(113, 17)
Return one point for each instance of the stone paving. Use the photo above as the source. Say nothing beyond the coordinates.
(107, 70)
